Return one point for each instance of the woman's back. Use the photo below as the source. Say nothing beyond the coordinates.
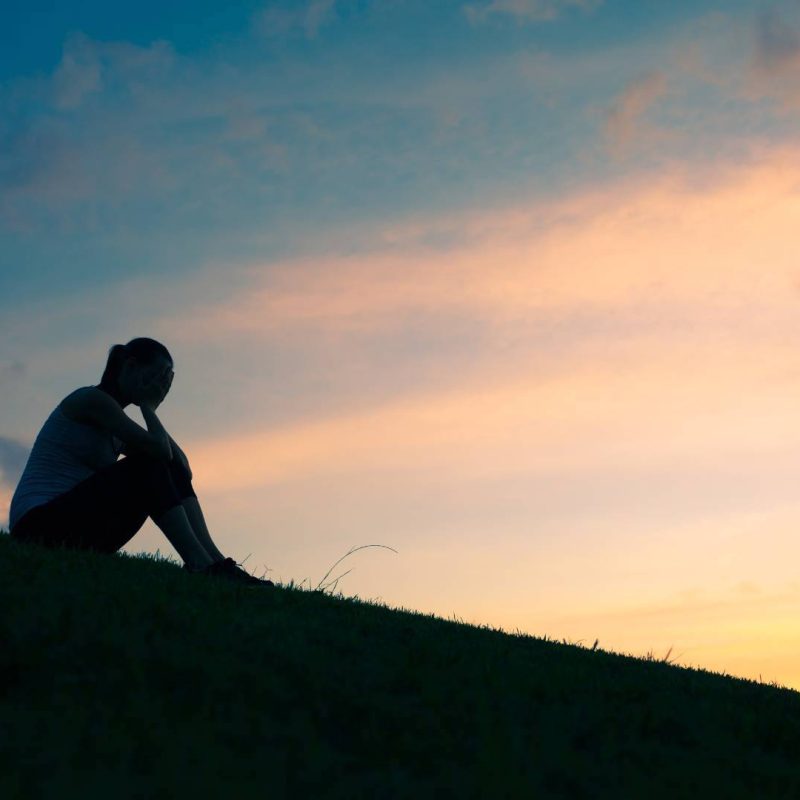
(64, 453)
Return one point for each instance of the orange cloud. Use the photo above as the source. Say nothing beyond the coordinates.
(708, 242)
(645, 402)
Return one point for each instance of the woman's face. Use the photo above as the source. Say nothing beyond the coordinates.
(135, 375)
(160, 371)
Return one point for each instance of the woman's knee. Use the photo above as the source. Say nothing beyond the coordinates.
(144, 461)
(147, 468)
(157, 475)
(177, 467)
(181, 478)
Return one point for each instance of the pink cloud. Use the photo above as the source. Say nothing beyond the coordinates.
(626, 118)
(608, 404)
(687, 272)
(678, 239)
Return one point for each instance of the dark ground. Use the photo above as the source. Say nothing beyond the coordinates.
(124, 677)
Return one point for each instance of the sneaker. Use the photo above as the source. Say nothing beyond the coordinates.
(228, 568)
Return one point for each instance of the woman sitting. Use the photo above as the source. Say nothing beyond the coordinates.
(74, 492)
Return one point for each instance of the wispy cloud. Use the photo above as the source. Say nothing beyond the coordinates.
(534, 282)
(88, 65)
(626, 118)
(775, 63)
(524, 11)
(508, 263)
(609, 296)
(308, 17)
(12, 370)
(197, 146)
(78, 74)
(74, 138)
(777, 43)
(620, 411)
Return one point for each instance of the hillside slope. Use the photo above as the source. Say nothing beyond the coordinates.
(125, 677)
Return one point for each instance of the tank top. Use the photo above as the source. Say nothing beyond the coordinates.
(64, 453)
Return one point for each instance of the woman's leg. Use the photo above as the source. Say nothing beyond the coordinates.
(104, 511)
(177, 528)
(198, 523)
(183, 484)
(191, 505)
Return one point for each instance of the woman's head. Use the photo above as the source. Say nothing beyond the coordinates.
(140, 361)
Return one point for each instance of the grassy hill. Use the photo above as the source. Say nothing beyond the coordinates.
(125, 677)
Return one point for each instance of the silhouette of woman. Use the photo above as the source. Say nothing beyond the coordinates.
(74, 492)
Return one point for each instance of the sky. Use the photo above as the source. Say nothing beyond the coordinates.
(507, 287)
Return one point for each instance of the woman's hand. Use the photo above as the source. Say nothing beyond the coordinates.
(154, 385)
(152, 392)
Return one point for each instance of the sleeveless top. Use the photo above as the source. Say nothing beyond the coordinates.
(65, 453)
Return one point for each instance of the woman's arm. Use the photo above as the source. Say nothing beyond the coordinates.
(180, 455)
(150, 403)
(156, 428)
(104, 411)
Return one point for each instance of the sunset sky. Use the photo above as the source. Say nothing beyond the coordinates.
(509, 286)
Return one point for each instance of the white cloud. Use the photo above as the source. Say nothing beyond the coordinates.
(78, 75)
(87, 65)
(524, 10)
(278, 21)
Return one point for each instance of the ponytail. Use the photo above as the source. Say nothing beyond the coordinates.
(116, 356)
(142, 349)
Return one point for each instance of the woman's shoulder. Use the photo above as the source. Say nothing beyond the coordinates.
(73, 405)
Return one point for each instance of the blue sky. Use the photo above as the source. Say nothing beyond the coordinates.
(34, 32)
(507, 285)
(160, 138)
